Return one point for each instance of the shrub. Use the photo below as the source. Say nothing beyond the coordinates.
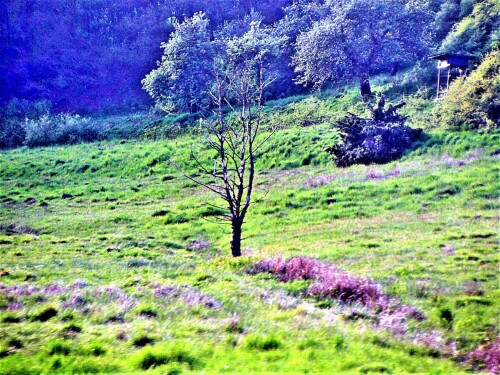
(346, 288)
(59, 129)
(366, 142)
(12, 115)
(379, 139)
(473, 103)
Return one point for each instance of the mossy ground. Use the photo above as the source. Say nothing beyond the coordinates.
(111, 258)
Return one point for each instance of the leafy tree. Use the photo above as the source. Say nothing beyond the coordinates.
(358, 38)
(185, 74)
(477, 33)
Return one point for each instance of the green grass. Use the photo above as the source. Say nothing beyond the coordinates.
(103, 235)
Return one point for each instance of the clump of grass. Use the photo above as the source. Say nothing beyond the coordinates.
(378, 369)
(158, 357)
(261, 343)
(11, 319)
(71, 330)
(445, 315)
(234, 326)
(160, 213)
(95, 349)
(45, 314)
(146, 311)
(4, 350)
(18, 229)
(176, 219)
(142, 340)
(59, 348)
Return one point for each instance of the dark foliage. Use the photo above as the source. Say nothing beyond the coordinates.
(178, 355)
(91, 55)
(45, 314)
(379, 140)
(143, 341)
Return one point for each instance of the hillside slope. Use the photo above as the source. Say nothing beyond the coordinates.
(112, 262)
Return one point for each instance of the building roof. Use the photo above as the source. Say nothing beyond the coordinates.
(446, 56)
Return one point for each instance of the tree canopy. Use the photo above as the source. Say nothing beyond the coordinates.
(91, 55)
(357, 37)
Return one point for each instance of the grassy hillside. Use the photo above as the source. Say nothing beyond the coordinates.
(112, 262)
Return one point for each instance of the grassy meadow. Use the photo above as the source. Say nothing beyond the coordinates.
(112, 262)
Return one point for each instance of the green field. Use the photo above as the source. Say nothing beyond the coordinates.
(112, 262)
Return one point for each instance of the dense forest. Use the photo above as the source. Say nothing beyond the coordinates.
(91, 55)
(86, 56)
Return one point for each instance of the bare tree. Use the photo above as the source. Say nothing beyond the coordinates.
(240, 81)
(235, 138)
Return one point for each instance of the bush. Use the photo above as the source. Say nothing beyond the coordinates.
(59, 129)
(476, 33)
(473, 103)
(368, 141)
(12, 116)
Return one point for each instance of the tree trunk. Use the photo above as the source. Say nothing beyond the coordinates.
(236, 238)
(394, 68)
(364, 85)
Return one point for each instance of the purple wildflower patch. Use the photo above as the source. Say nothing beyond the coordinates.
(197, 245)
(329, 282)
(448, 250)
(111, 292)
(15, 306)
(299, 268)
(169, 291)
(373, 174)
(452, 162)
(193, 298)
(393, 172)
(486, 357)
(320, 180)
(55, 289)
(79, 284)
(283, 300)
(76, 301)
(190, 296)
(346, 288)
(18, 290)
